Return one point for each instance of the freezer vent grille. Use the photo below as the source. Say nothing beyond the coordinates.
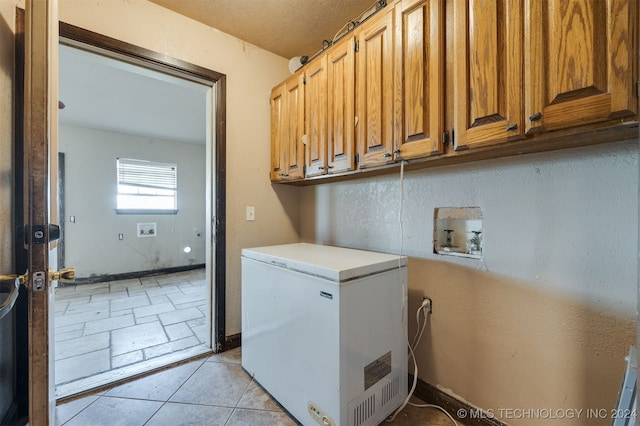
(364, 410)
(390, 390)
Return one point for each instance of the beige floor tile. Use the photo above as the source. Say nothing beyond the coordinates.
(246, 417)
(180, 316)
(220, 384)
(130, 302)
(66, 411)
(153, 309)
(173, 413)
(81, 345)
(137, 337)
(233, 356)
(60, 337)
(158, 386)
(178, 331)
(255, 397)
(127, 359)
(80, 318)
(77, 307)
(127, 311)
(174, 346)
(80, 366)
(108, 324)
(116, 412)
(191, 299)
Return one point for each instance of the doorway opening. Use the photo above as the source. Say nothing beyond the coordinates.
(143, 299)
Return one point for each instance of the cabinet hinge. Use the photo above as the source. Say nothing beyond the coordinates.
(304, 80)
(357, 46)
(453, 137)
(357, 160)
(638, 88)
(304, 170)
(445, 138)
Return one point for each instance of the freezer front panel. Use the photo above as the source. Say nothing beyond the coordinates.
(337, 349)
(290, 337)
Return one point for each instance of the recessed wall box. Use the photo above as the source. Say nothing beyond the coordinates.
(147, 230)
(457, 231)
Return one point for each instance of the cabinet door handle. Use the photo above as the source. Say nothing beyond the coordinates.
(511, 127)
(387, 155)
(535, 117)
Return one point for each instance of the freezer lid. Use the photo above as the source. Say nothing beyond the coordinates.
(337, 264)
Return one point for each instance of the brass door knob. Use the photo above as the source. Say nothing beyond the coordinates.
(66, 274)
(11, 277)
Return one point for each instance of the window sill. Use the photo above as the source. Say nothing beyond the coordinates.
(146, 211)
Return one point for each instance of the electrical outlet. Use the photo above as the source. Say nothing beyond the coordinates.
(429, 305)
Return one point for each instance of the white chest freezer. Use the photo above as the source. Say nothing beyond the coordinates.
(322, 331)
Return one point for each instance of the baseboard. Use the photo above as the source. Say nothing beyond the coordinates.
(232, 341)
(460, 411)
(130, 275)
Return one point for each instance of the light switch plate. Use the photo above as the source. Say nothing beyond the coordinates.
(251, 213)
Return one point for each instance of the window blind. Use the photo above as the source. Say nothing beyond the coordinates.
(148, 174)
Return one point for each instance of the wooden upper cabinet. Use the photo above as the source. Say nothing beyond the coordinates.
(294, 148)
(581, 56)
(374, 110)
(287, 127)
(341, 106)
(487, 72)
(419, 78)
(315, 100)
(277, 133)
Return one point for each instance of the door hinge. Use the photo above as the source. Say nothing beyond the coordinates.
(356, 47)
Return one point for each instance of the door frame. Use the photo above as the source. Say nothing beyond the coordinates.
(71, 34)
(159, 62)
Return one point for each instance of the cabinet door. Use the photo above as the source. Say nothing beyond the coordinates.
(341, 106)
(487, 72)
(277, 133)
(419, 76)
(294, 113)
(315, 100)
(374, 111)
(580, 56)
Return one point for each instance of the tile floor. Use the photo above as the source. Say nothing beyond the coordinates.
(109, 330)
(210, 391)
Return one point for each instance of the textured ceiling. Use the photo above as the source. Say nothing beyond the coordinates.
(286, 27)
(109, 95)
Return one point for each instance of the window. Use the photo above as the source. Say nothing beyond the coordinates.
(146, 187)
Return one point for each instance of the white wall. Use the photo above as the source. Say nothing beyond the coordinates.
(546, 319)
(91, 243)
